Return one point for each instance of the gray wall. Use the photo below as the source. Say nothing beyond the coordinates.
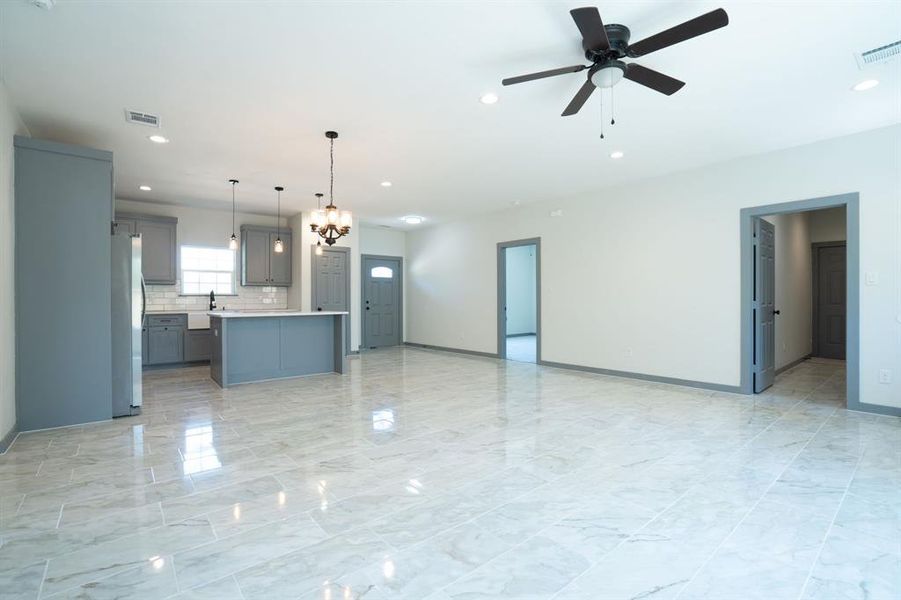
(521, 293)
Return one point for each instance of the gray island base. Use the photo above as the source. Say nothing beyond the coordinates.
(256, 346)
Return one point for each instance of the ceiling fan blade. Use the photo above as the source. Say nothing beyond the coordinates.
(579, 99)
(543, 74)
(653, 79)
(687, 30)
(588, 20)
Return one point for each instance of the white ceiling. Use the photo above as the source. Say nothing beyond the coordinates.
(246, 90)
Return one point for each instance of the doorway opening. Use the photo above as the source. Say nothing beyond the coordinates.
(382, 290)
(519, 300)
(800, 315)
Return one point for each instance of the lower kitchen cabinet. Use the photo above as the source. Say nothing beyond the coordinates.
(166, 340)
(166, 345)
(197, 345)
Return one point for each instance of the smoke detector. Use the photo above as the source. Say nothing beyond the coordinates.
(142, 118)
(878, 55)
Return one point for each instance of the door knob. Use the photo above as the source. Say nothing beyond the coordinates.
(777, 312)
(318, 308)
(367, 308)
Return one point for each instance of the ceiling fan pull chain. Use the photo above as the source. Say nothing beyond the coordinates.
(612, 112)
(601, 103)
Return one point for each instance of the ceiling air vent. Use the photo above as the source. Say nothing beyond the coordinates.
(142, 118)
(878, 55)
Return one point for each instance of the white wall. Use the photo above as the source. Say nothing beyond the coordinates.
(794, 294)
(645, 277)
(207, 227)
(828, 225)
(10, 124)
(521, 293)
(383, 241)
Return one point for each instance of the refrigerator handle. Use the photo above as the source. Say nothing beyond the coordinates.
(143, 300)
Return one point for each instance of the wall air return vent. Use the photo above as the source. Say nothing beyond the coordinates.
(142, 118)
(878, 55)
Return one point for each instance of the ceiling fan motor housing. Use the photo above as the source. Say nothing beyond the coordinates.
(618, 36)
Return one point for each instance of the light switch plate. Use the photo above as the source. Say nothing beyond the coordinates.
(871, 278)
(885, 376)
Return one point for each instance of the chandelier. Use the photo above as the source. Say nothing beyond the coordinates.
(331, 223)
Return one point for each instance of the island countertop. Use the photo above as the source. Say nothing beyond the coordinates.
(234, 314)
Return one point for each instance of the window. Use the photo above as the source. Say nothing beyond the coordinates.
(207, 269)
(381, 273)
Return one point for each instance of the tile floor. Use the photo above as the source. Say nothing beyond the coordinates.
(436, 476)
(522, 348)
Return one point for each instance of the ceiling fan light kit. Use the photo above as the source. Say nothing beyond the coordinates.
(607, 45)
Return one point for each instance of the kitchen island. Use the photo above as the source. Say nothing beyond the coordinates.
(248, 346)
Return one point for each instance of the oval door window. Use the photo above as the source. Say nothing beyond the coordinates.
(381, 272)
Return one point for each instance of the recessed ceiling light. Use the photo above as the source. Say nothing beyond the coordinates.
(616, 154)
(412, 219)
(867, 84)
(386, 184)
(144, 188)
(159, 139)
(489, 98)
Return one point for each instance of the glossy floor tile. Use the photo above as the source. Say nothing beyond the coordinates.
(432, 476)
(522, 348)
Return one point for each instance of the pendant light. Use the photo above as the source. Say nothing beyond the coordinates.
(318, 250)
(233, 241)
(331, 223)
(278, 247)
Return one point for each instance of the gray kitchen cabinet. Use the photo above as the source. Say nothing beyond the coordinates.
(280, 263)
(260, 264)
(166, 345)
(254, 256)
(197, 345)
(159, 246)
(63, 327)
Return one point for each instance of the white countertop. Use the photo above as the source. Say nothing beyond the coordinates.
(232, 314)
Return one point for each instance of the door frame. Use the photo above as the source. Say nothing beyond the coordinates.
(400, 300)
(814, 251)
(346, 252)
(502, 295)
(851, 202)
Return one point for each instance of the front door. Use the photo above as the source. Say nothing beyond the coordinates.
(381, 301)
(831, 303)
(764, 304)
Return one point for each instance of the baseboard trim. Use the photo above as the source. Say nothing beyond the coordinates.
(793, 363)
(455, 350)
(717, 387)
(520, 334)
(877, 409)
(9, 438)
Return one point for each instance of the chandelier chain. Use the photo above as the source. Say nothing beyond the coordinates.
(331, 183)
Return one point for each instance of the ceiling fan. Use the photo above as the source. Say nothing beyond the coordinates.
(606, 45)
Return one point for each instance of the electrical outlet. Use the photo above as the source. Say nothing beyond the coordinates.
(885, 376)
(871, 278)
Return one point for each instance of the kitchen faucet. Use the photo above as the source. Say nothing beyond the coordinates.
(212, 300)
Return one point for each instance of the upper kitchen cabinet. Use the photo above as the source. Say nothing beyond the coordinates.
(260, 263)
(159, 247)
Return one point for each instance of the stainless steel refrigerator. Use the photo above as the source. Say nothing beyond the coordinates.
(128, 304)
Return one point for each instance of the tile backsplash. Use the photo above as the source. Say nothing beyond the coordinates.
(162, 298)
